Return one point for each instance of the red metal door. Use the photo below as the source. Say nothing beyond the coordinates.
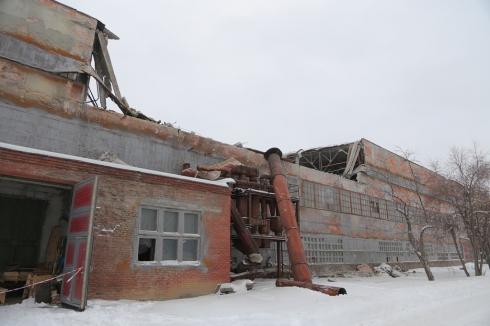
(79, 244)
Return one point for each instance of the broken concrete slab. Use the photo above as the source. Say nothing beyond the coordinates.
(397, 274)
(236, 286)
(364, 268)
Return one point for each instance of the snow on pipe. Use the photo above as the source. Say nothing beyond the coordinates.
(297, 257)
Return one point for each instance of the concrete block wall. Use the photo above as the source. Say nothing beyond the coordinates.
(42, 130)
(121, 192)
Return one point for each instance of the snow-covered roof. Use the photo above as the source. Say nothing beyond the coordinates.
(219, 183)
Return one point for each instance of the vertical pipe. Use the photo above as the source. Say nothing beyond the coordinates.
(263, 208)
(255, 207)
(279, 259)
(249, 205)
(297, 216)
(296, 252)
(242, 204)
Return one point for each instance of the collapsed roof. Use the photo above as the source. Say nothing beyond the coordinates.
(343, 160)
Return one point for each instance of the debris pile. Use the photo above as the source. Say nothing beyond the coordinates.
(393, 272)
(365, 269)
(111, 157)
(235, 286)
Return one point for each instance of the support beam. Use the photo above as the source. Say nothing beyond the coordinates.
(108, 63)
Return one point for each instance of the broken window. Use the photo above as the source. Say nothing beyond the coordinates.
(374, 208)
(168, 235)
(146, 249)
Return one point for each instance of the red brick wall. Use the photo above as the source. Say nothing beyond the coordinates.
(114, 275)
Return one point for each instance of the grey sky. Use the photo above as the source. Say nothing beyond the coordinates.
(302, 74)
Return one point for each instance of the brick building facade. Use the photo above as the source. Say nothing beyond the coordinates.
(123, 191)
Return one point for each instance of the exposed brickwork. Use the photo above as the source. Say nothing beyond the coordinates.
(114, 275)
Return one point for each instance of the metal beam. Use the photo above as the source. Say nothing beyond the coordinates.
(108, 63)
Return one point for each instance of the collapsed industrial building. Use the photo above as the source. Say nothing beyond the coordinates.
(128, 208)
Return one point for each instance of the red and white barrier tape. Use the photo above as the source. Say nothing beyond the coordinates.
(49, 279)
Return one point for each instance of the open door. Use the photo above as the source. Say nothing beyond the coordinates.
(79, 244)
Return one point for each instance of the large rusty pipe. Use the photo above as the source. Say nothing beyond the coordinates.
(330, 290)
(233, 169)
(225, 171)
(251, 247)
(242, 205)
(297, 256)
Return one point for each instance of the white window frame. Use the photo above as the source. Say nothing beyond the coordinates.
(159, 235)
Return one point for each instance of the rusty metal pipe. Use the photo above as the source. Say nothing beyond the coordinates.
(296, 252)
(251, 247)
(233, 169)
(242, 205)
(330, 290)
(225, 171)
(189, 172)
(297, 257)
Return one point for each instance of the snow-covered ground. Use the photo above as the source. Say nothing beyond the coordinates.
(452, 299)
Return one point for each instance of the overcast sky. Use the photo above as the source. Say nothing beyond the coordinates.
(303, 74)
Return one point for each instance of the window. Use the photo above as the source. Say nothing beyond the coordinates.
(383, 213)
(345, 201)
(374, 208)
(169, 236)
(308, 194)
(356, 203)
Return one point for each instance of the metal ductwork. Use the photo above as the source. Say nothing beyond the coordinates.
(250, 247)
(297, 257)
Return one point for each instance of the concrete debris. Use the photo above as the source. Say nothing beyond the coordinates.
(393, 272)
(236, 286)
(398, 268)
(111, 157)
(383, 268)
(365, 269)
(226, 288)
(255, 258)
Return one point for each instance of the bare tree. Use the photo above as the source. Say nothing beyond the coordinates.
(465, 187)
(448, 225)
(412, 205)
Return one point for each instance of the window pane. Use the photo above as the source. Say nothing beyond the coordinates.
(190, 223)
(189, 250)
(148, 219)
(170, 221)
(169, 249)
(146, 250)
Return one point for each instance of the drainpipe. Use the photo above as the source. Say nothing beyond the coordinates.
(297, 257)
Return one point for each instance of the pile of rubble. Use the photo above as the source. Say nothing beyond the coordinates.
(234, 287)
(395, 271)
